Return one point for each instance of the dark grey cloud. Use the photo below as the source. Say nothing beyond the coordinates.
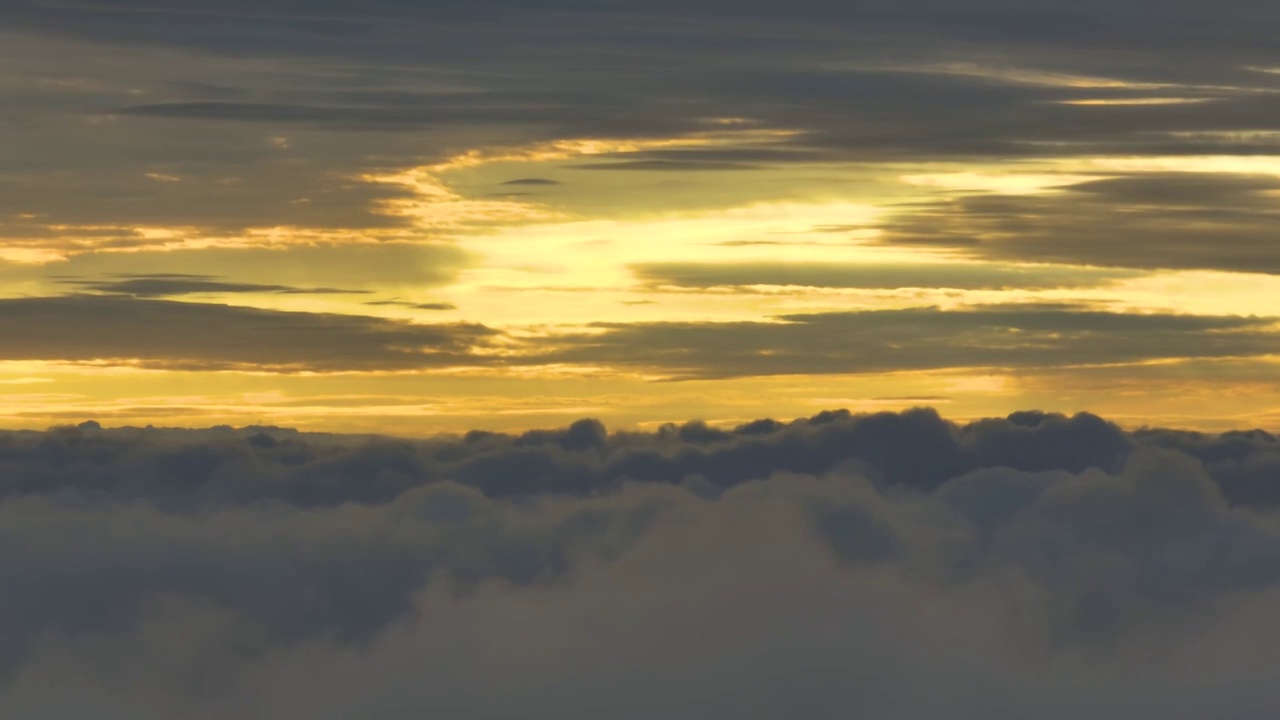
(204, 198)
(1046, 22)
(667, 165)
(877, 276)
(1183, 221)
(889, 565)
(312, 470)
(206, 336)
(190, 92)
(381, 112)
(1011, 336)
(414, 305)
(149, 286)
(729, 156)
(351, 266)
(532, 181)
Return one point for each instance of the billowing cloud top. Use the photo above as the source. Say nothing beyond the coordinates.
(887, 565)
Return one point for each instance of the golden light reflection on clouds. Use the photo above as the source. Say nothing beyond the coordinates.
(729, 131)
(436, 207)
(1102, 102)
(539, 271)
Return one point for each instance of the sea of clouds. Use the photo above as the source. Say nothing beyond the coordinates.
(879, 566)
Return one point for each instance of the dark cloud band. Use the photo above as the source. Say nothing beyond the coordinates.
(1027, 336)
(205, 336)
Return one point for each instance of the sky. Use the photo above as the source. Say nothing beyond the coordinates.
(633, 359)
(420, 217)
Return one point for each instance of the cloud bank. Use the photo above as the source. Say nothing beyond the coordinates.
(885, 566)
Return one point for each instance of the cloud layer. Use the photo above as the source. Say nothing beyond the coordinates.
(1186, 220)
(889, 566)
(273, 108)
(1012, 336)
(122, 330)
(140, 330)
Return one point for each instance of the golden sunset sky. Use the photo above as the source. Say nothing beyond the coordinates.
(413, 218)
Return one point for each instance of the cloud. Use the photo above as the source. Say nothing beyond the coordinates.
(187, 284)
(247, 182)
(150, 332)
(382, 114)
(206, 336)
(357, 266)
(1144, 221)
(532, 181)
(873, 275)
(259, 115)
(890, 565)
(667, 165)
(413, 305)
(1008, 336)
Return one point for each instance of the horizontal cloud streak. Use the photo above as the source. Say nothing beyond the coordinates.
(1014, 336)
(168, 334)
(1187, 220)
(148, 286)
(207, 336)
(874, 275)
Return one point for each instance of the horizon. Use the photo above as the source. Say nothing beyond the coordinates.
(657, 426)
